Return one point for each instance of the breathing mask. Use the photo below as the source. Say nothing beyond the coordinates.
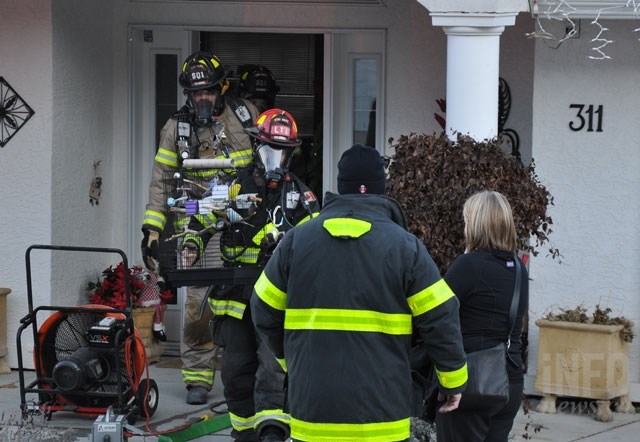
(274, 161)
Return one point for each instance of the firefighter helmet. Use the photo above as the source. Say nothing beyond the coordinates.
(276, 127)
(203, 70)
(257, 81)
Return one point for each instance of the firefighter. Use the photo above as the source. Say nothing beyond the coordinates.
(258, 85)
(269, 201)
(352, 284)
(210, 125)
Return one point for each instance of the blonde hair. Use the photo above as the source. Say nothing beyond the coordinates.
(488, 222)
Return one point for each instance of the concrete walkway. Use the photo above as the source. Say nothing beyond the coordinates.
(574, 423)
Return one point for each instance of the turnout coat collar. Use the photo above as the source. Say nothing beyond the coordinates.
(370, 207)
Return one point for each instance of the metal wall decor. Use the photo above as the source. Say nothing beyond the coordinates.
(14, 112)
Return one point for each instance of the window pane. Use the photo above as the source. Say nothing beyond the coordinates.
(365, 88)
(166, 87)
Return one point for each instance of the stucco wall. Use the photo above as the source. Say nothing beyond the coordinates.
(83, 135)
(25, 162)
(593, 177)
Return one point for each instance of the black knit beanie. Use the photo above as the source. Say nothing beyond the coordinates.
(361, 170)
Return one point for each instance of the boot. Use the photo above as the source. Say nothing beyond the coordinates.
(160, 335)
(272, 434)
(197, 396)
(158, 332)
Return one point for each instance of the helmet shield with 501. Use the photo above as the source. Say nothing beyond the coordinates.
(203, 70)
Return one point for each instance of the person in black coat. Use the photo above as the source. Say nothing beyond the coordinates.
(483, 280)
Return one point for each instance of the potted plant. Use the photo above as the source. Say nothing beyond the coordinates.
(584, 356)
(148, 299)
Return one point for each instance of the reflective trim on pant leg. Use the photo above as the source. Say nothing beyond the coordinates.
(240, 423)
(203, 377)
(272, 415)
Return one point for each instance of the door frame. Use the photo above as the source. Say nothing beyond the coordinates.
(340, 46)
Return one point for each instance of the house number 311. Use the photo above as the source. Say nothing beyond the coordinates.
(585, 117)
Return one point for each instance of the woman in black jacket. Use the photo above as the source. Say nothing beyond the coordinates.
(483, 279)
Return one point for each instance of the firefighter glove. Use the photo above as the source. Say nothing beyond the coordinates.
(150, 249)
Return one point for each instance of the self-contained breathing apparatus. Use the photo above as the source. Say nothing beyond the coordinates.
(251, 206)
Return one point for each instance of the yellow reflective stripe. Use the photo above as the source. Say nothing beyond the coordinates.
(207, 220)
(155, 218)
(181, 223)
(270, 294)
(249, 255)
(257, 239)
(348, 320)
(429, 298)
(206, 377)
(350, 432)
(167, 157)
(240, 423)
(307, 218)
(241, 158)
(271, 415)
(453, 379)
(222, 307)
(346, 227)
(283, 364)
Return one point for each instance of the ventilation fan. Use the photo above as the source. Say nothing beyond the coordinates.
(88, 359)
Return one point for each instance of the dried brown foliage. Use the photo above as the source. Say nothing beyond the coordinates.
(600, 316)
(431, 177)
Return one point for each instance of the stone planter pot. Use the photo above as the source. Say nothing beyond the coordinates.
(584, 361)
(4, 368)
(143, 321)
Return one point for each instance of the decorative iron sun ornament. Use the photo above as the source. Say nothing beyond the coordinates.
(14, 112)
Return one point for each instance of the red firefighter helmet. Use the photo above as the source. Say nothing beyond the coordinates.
(276, 127)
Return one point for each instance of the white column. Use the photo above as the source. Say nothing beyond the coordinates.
(473, 61)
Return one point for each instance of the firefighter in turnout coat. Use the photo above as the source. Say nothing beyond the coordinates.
(337, 305)
(210, 125)
(269, 201)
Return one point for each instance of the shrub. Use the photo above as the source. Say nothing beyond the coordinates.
(431, 177)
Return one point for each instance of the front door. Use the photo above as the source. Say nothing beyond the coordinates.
(332, 83)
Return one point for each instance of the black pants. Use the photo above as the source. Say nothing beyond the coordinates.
(252, 378)
(491, 425)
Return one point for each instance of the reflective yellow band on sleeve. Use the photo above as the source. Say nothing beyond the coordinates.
(350, 432)
(257, 238)
(270, 294)
(348, 320)
(453, 379)
(283, 364)
(155, 218)
(430, 298)
(346, 227)
(167, 157)
(248, 255)
(227, 307)
(241, 158)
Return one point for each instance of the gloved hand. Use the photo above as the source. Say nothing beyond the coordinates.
(271, 239)
(150, 249)
(189, 254)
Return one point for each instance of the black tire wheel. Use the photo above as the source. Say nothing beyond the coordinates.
(147, 397)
